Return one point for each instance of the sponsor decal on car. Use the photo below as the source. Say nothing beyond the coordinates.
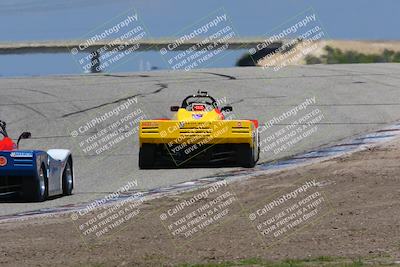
(149, 124)
(197, 116)
(3, 161)
(21, 154)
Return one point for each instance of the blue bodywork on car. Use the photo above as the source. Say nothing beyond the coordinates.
(21, 167)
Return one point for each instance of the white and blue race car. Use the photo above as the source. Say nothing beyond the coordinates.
(33, 174)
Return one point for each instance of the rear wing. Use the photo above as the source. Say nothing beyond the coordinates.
(211, 132)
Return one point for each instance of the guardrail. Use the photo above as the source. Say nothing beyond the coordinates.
(32, 47)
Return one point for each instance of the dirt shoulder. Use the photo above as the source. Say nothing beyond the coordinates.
(347, 207)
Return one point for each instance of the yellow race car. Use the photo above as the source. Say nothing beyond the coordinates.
(200, 133)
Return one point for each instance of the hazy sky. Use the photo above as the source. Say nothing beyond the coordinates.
(64, 19)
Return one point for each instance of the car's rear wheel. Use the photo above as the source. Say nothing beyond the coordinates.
(68, 179)
(147, 156)
(37, 189)
(245, 156)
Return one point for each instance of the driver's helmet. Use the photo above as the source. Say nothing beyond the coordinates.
(199, 103)
(7, 144)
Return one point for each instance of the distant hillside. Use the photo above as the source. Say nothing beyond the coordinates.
(337, 51)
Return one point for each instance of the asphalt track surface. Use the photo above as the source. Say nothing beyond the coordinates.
(352, 98)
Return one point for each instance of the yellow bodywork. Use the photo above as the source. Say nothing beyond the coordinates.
(193, 127)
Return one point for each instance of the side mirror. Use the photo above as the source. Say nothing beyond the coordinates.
(227, 108)
(24, 135)
(174, 108)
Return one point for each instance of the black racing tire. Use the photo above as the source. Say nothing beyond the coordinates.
(68, 178)
(245, 156)
(37, 189)
(147, 154)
